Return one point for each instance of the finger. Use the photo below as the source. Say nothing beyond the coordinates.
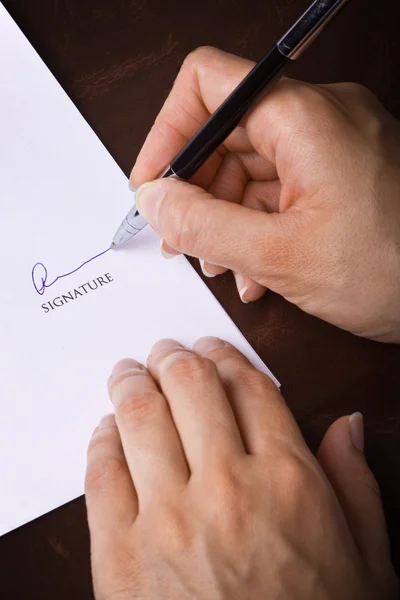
(230, 180)
(200, 408)
(361, 104)
(249, 290)
(264, 196)
(244, 240)
(228, 184)
(260, 195)
(342, 459)
(206, 79)
(208, 269)
(110, 495)
(167, 251)
(211, 270)
(256, 166)
(232, 183)
(151, 443)
(261, 412)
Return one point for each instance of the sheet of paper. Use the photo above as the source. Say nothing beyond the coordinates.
(62, 197)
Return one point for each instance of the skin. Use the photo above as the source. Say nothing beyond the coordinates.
(201, 486)
(307, 194)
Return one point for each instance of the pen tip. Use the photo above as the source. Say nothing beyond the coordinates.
(113, 246)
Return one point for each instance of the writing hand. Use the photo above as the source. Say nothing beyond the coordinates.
(203, 487)
(307, 189)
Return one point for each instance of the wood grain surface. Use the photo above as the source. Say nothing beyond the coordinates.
(117, 59)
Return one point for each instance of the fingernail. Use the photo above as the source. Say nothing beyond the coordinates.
(206, 344)
(164, 345)
(165, 250)
(131, 186)
(124, 365)
(356, 427)
(107, 422)
(242, 287)
(242, 294)
(148, 200)
(206, 273)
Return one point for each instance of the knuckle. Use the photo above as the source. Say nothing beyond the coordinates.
(104, 437)
(302, 110)
(227, 488)
(103, 472)
(370, 483)
(164, 127)
(173, 224)
(229, 512)
(295, 476)
(137, 407)
(255, 382)
(176, 534)
(229, 502)
(185, 365)
(229, 355)
(198, 57)
(180, 221)
(297, 100)
(355, 89)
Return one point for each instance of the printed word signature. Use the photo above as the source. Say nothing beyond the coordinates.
(40, 275)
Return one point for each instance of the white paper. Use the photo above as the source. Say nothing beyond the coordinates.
(62, 197)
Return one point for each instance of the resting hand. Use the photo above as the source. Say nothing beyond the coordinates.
(202, 487)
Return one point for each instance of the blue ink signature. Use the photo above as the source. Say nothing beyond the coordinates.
(39, 274)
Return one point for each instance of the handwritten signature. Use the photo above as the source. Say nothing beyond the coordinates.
(40, 275)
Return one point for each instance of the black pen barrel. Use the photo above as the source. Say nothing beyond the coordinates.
(257, 83)
(228, 116)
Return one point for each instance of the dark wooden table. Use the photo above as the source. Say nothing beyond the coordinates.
(117, 60)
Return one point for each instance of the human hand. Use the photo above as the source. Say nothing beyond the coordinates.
(308, 192)
(202, 487)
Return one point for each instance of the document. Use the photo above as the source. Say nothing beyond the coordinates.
(70, 307)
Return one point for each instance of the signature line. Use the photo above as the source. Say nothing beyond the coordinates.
(39, 274)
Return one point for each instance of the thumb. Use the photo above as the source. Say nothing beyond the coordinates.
(239, 238)
(341, 456)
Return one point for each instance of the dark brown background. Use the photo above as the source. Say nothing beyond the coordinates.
(117, 60)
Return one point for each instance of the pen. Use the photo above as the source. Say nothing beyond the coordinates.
(253, 87)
